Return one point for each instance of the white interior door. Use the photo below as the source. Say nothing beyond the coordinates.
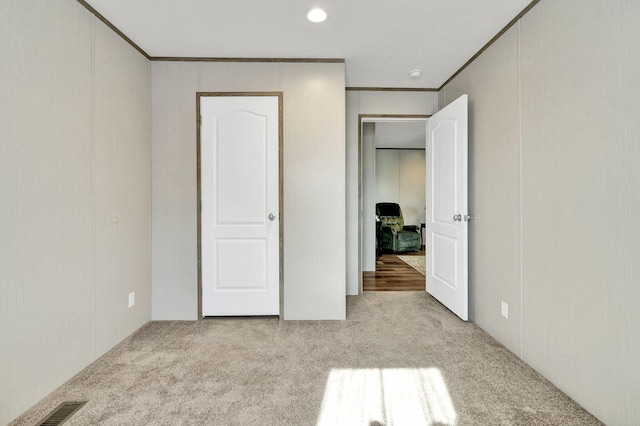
(239, 139)
(447, 215)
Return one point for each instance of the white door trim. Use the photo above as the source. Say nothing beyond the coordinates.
(374, 118)
(199, 95)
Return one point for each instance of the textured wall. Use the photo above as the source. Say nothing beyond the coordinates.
(174, 227)
(46, 209)
(122, 174)
(576, 128)
(371, 102)
(580, 63)
(494, 187)
(62, 72)
(313, 174)
(314, 191)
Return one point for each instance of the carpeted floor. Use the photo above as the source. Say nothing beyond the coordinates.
(400, 359)
(416, 262)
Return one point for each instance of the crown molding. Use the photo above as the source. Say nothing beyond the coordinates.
(490, 42)
(204, 59)
(114, 28)
(392, 89)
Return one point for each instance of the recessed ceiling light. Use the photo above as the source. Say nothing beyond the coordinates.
(317, 15)
(415, 73)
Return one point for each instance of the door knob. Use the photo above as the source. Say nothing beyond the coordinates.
(272, 216)
(457, 218)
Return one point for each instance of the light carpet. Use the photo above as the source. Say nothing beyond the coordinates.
(400, 358)
(416, 262)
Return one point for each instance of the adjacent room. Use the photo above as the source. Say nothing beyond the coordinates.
(156, 157)
(395, 162)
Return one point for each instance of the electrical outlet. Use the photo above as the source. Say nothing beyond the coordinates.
(505, 309)
(132, 299)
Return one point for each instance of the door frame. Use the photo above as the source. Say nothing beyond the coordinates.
(375, 118)
(280, 96)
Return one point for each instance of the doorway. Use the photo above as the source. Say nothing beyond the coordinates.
(239, 203)
(392, 169)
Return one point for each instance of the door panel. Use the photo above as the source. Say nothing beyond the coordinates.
(241, 168)
(446, 227)
(444, 259)
(444, 172)
(231, 275)
(239, 140)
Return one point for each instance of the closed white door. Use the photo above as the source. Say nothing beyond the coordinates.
(447, 215)
(240, 218)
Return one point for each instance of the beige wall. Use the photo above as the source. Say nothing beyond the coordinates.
(371, 102)
(555, 173)
(313, 171)
(122, 188)
(494, 187)
(75, 151)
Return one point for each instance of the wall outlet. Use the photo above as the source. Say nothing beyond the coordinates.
(132, 299)
(505, 309)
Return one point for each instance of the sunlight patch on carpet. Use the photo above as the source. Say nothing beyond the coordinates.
(416, 262)
(385, 397)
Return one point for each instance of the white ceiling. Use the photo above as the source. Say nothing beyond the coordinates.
(380, 40)
(401, 134)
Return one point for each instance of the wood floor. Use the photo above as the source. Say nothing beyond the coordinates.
(392, 274)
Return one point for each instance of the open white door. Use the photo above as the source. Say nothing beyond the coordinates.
(239, 142)
(447, 216)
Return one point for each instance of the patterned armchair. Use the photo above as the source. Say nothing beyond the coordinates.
(396, 237)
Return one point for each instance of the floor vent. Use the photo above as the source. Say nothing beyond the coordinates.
(62, 413)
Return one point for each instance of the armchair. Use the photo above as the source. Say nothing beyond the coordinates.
(396, 237)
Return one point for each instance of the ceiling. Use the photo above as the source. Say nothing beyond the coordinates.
(401, 134)
(380, 40)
